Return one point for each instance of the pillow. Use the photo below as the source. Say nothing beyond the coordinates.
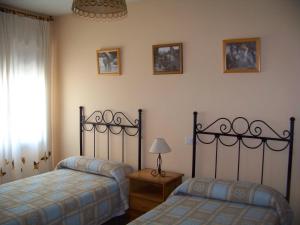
(106, 168)
(240, 192)
(113, 169)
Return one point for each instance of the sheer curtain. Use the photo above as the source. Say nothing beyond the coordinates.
(24, 97)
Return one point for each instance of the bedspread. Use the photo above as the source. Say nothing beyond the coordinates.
(208, 201)
(62, 196)
(191, 210)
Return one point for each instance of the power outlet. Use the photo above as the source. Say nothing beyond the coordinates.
(188, 140)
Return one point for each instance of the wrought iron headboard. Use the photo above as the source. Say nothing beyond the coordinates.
(227, 128)
(105, 122)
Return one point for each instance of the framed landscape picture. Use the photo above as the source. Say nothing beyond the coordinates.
(167, 59)
(241, 55)
(108, 61)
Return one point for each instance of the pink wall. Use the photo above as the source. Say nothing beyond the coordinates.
(168, 101)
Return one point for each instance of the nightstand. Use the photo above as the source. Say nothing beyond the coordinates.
(147, 191)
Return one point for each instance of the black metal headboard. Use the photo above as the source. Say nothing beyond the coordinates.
(111, 123)
(252, 130)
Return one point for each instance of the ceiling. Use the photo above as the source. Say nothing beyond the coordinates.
(47, 7)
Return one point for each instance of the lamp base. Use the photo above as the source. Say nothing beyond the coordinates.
(158, 171)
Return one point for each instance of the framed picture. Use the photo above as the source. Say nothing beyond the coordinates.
(167, 59)
(241, 55)
(108, 61)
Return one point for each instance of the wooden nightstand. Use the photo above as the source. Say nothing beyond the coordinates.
(146, 191)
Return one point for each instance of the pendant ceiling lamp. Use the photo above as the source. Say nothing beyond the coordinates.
(102, 9)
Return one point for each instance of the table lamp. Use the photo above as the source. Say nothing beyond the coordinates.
(159, 146)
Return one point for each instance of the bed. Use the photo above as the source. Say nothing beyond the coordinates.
(201, 200)
(81, 190)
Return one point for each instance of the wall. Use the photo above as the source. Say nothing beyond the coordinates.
(168, 101)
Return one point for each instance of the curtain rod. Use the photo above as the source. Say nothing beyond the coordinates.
(20, 12)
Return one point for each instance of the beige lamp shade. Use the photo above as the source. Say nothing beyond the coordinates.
(159, 146)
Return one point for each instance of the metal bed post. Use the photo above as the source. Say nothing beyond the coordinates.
(81, 118)
(216, 156)
(194, 143)
(289, 175)
(140, 140)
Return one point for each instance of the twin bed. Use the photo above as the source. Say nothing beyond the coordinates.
(88, 191)
(82, 190)
(213, 201)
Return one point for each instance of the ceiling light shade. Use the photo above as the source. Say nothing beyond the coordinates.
(102, 9)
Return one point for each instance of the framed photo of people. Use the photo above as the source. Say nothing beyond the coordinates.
(108, 61)
(167, 59)
(241, 55)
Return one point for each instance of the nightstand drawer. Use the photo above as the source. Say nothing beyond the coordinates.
(142, 204)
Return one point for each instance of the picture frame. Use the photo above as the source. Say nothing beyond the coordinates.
(241, 55)
(167, 58)
(108, 61)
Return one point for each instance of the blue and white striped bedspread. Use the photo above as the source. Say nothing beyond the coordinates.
(207, 201)
(63, 196)
(192, 210)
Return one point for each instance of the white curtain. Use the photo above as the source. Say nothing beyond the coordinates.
(24, 97)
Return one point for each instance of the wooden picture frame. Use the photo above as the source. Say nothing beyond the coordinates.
(241, 55)
(108, 61)
(167, 58)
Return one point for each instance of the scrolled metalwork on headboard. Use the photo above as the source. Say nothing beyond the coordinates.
(110, 122)
(240, 129)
